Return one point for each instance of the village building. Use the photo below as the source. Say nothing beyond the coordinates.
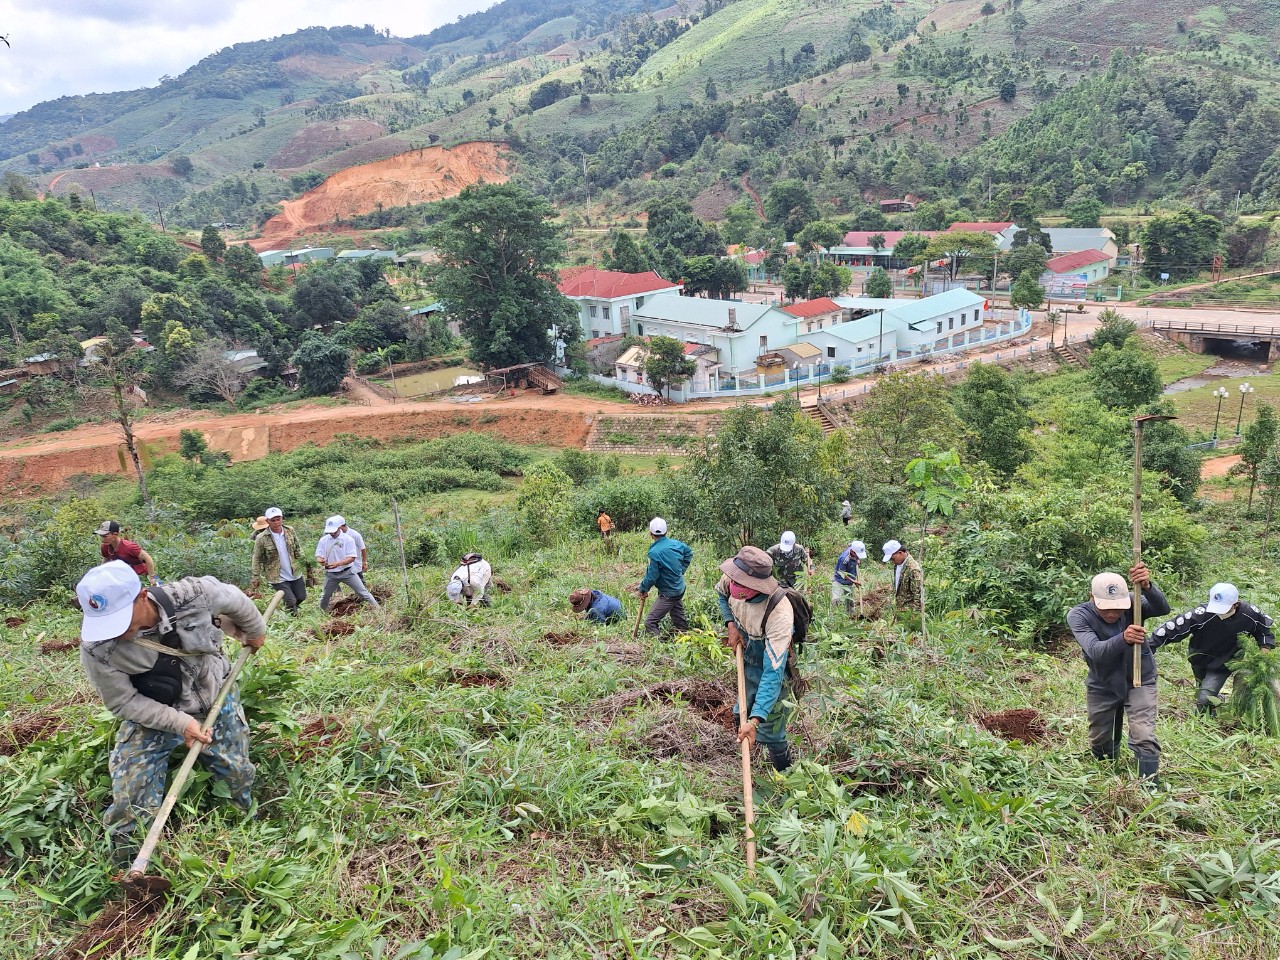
(607, 298)
(739, 331)
(629, 367)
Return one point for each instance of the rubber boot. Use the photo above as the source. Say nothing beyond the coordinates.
(1148, 774)
(1205, 708)
(780, 756)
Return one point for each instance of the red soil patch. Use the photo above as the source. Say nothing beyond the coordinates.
(13, 622)
(477, 678)
(116, 932)
(1025, 725)
(37, 726)
(334, 628)
(349, 604)
(419, 176)
(711, 701)
(562, 639)
(58, 646)
(319, 733)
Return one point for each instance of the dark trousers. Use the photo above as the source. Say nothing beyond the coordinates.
(674, 606)
(1106, 725)
(295, 591)
(1211, 684)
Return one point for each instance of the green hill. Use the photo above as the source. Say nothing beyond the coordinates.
(949, 102)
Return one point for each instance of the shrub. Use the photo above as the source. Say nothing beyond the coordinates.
(840, 374)
(631, 501)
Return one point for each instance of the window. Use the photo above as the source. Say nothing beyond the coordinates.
(939, 326)
(639, 302)
(594, 334)
(831, 353)
(951, 323)
(639, 329)
(624, 314)
(962, 316)
(604, 312)
(591, 311)
(764, 343)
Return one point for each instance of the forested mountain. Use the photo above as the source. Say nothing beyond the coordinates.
(968, 104)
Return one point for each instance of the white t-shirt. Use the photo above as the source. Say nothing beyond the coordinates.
(282, 548)
(897, 575)
(358, 566)
(337, 547)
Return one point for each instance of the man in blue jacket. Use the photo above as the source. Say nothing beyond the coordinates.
(1104, 628)
(668, 560)
(599, 607)
(845, 579)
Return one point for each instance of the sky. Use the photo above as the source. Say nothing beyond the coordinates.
(69, 47)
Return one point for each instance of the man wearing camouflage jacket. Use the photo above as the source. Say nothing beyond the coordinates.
(156, 659)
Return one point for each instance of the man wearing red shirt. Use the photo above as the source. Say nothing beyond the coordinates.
(116, 547)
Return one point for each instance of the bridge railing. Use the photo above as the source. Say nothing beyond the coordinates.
(1211, 327)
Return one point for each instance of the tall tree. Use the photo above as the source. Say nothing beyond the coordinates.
(1124, 379)
(879, 284)
(902, 413)
(212, 244)
(790, 207)
(665, 365)
(672, 223)
(910, 247)
(209, 367)
(959, 247)
(242, 264)
(321, 364)
(993, 409)
(1259, 443)
(1026, 291)
(1180, 244)
(625, 254)
(115, 392)
(498, 248)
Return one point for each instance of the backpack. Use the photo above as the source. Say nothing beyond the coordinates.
(801, 614)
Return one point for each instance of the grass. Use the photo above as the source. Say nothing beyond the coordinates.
(452, 780)
(1178, 366)
(1198, 408)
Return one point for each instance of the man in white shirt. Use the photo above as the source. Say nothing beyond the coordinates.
(362, 557)
(337, 553)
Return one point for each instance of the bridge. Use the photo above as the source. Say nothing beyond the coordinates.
(1213, 336)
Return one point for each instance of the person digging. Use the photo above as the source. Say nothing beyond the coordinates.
(668, 561)
(789, 558)
(1104, 628)
(1214, 638)
(596, 606)
(155, 658)
(765, 636)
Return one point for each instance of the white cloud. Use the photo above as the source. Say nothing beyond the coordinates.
(70, 47)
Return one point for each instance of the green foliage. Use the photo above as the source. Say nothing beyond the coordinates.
(1255, 684)
(990, 404)
(962, 249)
(1026, 291)
(1124, 379)
(498, 282)
(761, 473)
(322, 364)
(1165, 449)
(1180, 244)
(789, 206)
(665, 364)
(903, 412)
(1114, 329)
(630, 501)
(879, 284)
(544, 502)
(1250, 877)
(1026, 555)
(938, 479)
(581, 466)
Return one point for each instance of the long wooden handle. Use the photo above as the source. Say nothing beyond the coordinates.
(748, 803)
(1137, 547)
(143, 859)
(635, 631)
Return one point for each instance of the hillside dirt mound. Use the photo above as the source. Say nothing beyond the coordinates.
(350, 603)
(1025, 725)
(27, 730)
(419, 176)
(58, 646)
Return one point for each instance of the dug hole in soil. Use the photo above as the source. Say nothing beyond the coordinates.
(694, 720)
(475, 678)
(1025, 724)
(21, 733)
(58, 646)
(350, 604)
(116, 932)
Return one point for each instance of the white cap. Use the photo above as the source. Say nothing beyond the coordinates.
(890, 548)
(273, 512)
(1110, 592)
(340, 520)
(658, 527)
(333, 525)
(788, 540)
(454, 589)
(1222, 597)
(859, 549)
(106, 595)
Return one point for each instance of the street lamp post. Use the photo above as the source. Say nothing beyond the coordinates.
(1221, 393)
(795, 375)
(1245, 390)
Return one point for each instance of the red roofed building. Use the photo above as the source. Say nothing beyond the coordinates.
(813, 315)
(1087, 265)
(1002, 232)
(606, 298)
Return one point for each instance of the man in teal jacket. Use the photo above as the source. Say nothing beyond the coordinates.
(668, 560)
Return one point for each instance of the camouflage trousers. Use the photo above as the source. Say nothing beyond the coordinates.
(140, 760)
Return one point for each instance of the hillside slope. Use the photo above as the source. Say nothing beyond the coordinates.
(887, 95)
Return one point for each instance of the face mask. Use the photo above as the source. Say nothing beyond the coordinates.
(739, 592)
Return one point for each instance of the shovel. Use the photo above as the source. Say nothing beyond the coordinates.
(1138, 424)
(139, 887)
(747, 802)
